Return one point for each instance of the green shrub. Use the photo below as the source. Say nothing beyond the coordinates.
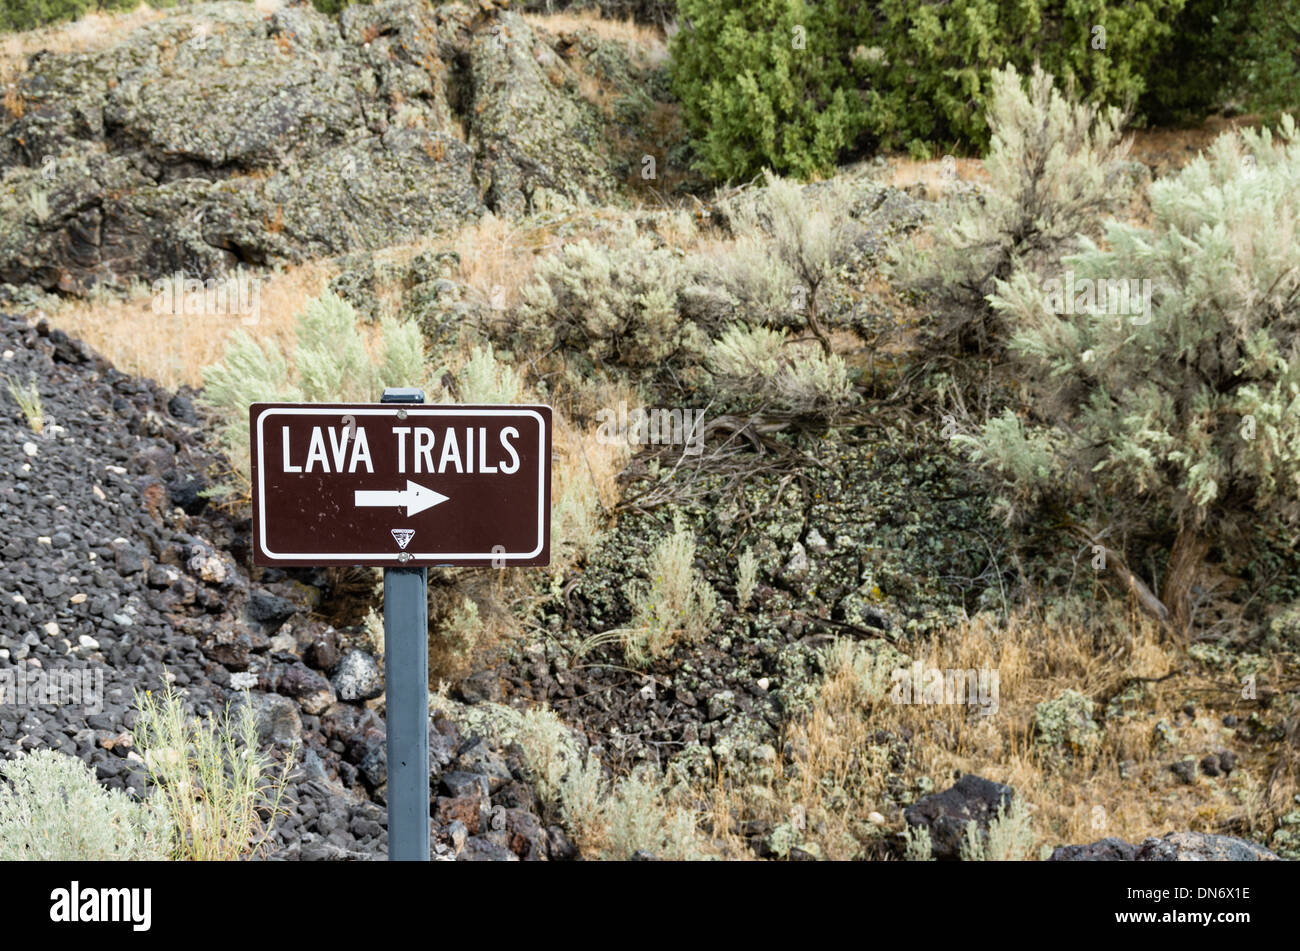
(753, 99)
(933, 76)
(1270, 60)
(918, 74)
(1178, 413)
(1198, 64)
(30, 14)
(897, 73)
(1244, 52)
(1054, 169)
(53, 810)
(617, 304)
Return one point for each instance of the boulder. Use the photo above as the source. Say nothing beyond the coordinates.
(358, 677)
(1174, 847)
(946, 814)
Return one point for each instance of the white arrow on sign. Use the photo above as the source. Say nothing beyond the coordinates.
(416, 498)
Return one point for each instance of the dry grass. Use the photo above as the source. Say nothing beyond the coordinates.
(174, 349)
(1166, 150)
(1121, 788)
(934, 177)
(497, 256)
(646, 43)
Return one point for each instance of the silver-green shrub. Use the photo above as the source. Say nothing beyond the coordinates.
(1009, 838)
(1054, 168)
(757, 367)
(53, 810)
(789, 239)
(677, 603)
(1184, 416)
(331, 362)
(616, 303)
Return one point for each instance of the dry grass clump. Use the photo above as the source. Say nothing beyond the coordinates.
(646, 43)
(219, 791)
(173, 350)
(28, 398)
(851, 770)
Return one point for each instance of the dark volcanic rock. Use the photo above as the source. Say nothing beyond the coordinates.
(269, 609)
(945, 814)
(1109, 849)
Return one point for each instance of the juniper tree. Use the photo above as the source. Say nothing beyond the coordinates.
(1182, 419)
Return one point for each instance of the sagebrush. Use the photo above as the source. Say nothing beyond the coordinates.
(52, 809)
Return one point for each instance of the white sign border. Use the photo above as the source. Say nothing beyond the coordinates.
(392, 409)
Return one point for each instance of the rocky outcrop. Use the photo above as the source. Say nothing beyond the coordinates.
(1174, 847)
(218, 136)
(660, 12)
(534, 144)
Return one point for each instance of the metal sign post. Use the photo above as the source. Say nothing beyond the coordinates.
(402, 486)
(406, 697)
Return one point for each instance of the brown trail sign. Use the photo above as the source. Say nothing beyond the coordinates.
(400, 484)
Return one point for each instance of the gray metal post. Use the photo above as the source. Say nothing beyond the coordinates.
(406, 684)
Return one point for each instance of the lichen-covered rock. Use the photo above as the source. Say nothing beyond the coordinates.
(1174, 847)
(1066, 723)
(1286, 837)
(743, 748)
(276, 718)
(358, 677)
(534, 143)
(1201, 847)
(1284, 628)
(1183, 846)
(217, 137)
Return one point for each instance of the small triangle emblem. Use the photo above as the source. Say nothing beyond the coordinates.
(403, 537)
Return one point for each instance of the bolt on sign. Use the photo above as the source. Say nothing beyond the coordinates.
(400, 484)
